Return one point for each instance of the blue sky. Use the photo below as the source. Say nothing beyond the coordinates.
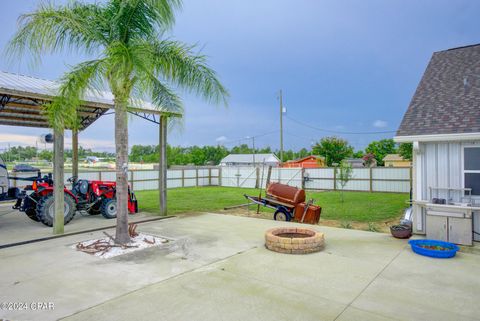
(343, 66)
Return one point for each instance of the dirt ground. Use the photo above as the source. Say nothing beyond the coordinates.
(381, 226)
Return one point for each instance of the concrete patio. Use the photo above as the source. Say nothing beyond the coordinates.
(218, 269)
(16, 227)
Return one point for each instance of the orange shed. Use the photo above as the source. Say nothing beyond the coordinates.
(311, 161)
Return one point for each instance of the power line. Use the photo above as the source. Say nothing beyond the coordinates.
(298, 136)
(245, 138)
(337, 131)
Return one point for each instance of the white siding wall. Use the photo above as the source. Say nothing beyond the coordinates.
(441, 165)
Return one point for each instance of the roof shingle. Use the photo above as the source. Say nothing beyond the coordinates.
(447, 100)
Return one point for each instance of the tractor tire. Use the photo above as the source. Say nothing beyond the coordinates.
(46, 209)
(32, 214)
(109, 208)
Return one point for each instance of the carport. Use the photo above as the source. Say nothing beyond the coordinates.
(21, 104)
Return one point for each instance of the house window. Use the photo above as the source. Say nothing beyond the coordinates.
(471, 168)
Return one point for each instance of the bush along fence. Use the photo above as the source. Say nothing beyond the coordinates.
(376, 179)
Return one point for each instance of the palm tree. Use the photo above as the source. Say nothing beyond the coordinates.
(132, 58)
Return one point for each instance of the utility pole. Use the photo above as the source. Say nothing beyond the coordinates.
(253, 147)
(253, 143)
(281, 126)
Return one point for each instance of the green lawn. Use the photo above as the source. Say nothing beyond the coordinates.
(357, 207)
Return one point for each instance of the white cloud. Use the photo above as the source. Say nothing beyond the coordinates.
(32, 140)
(220, 139)
(17, 139)
(380, 123)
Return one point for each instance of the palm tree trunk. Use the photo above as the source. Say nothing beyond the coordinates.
(121, 148)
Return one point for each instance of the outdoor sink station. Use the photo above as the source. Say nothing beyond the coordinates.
(449, 215)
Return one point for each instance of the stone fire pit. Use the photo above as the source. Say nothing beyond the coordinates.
(294, 240)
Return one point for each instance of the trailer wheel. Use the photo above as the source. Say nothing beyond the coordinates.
(109, 208)
(46, 209)
(282, 215)
(32, 214)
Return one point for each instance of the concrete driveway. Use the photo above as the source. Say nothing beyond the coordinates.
(218, 269)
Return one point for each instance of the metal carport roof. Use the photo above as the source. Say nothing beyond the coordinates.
(22, 98)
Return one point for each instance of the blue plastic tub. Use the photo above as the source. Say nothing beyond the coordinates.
(415, 244)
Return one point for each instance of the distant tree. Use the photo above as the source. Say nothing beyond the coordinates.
(334, 149)
(177, 155)
(264, 150)
(214, 154)
(381, 148)
(358, 154)
(288, 155)
(203, 155)
(46, 155)
(303, 153)
(143, 153)
(198, 156)
(405, 150)
(241, 149)
(19, 153)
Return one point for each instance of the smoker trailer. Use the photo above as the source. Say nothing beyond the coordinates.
(289, 204)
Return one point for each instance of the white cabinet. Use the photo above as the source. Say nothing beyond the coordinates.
(460, 230)
(449, 228)
(437, 228)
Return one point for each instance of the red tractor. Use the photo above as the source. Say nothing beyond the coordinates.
(93, 197)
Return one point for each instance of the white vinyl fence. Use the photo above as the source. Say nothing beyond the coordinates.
(378, 179)
(141, 179)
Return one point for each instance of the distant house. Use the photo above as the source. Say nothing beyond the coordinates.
(92, 159)
(396, 160)
(443, 123)
(355, 162)
(311, 161)
(250, 160)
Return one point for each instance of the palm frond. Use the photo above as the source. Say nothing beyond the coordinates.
(140, 19)
(50, 29)
(164, 98)
(84, 77)
(176, 63)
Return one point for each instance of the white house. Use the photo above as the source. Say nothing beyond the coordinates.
(250, 160)
(443, 123)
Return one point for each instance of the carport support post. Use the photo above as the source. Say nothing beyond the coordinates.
(58, 181)
(75, 153)
(162, 165)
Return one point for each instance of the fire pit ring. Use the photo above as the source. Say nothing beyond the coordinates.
(294, 240)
